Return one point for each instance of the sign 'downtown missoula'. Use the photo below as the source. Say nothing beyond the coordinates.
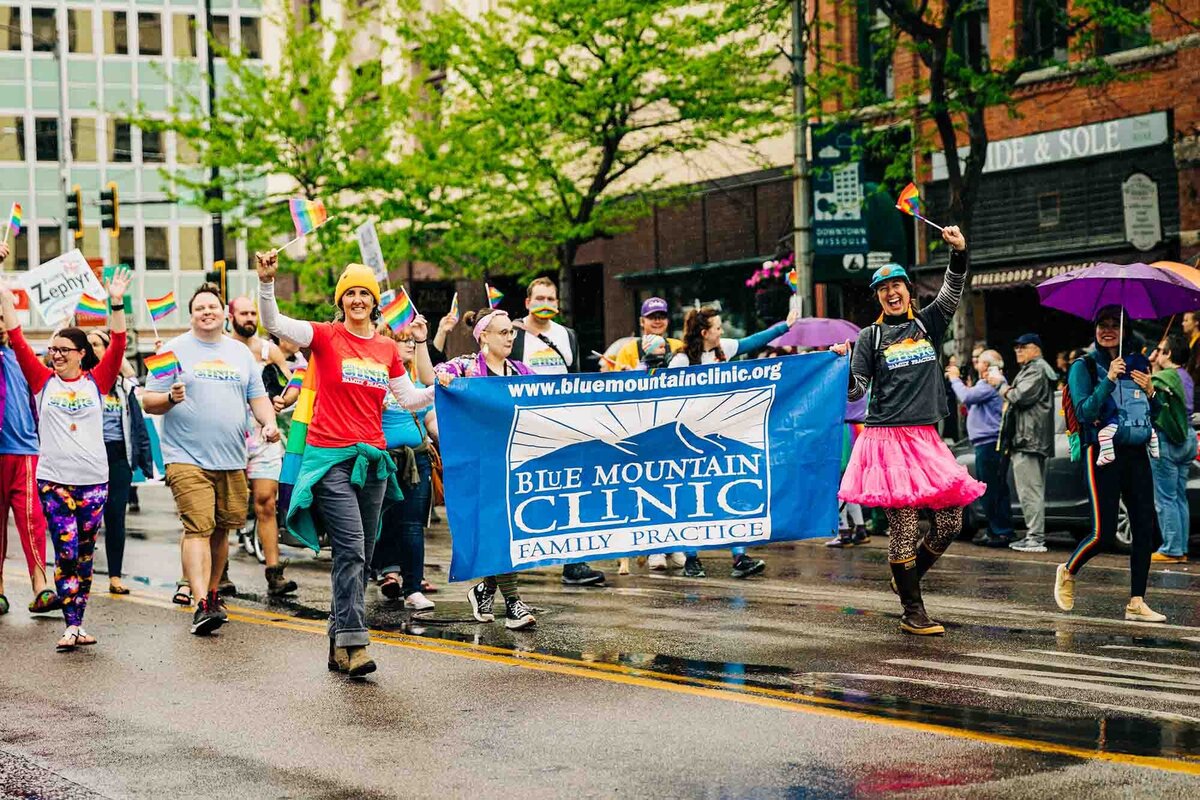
(558, 469)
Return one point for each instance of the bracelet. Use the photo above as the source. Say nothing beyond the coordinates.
(421, 341)
(171, 399)
(120, 307)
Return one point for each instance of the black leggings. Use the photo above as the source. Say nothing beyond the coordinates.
(904, 535)
(1126, 478)
(120, 476)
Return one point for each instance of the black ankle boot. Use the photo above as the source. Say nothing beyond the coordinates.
(914, 619)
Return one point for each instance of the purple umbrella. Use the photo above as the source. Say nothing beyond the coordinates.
(817, 332)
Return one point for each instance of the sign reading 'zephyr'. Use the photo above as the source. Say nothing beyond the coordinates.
(55, 287)
(549, 470)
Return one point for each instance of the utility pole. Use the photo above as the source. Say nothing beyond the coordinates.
(64, 129)
(801, 190)
(214, 193)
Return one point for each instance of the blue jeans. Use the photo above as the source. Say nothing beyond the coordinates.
(997, 502)
(401, 546)
(1170, 492)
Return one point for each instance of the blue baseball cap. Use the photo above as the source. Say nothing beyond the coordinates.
(889, 272)
(1028, 338)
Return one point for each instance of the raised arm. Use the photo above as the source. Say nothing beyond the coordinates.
(36, 373)
(955, 280)
(408, 395)
(294, 330)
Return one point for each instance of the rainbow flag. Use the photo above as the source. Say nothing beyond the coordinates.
(910, 201)
(163, 365)
(297, 442)
(297, 380)
(91, 308)
(454, 306)
(14, 220)
(161, 306)
(793, 280)
(308, 215)
(400, 312)
(494, 296)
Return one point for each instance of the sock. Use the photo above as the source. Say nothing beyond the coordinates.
(1108, 453)
(1153, 446)
(508, 587)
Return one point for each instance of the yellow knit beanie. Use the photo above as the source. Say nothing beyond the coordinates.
(356, 275)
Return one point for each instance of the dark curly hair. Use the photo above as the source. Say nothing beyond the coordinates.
(694, 325)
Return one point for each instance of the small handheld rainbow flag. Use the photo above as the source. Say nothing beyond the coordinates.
(400, 312)
(793, 280)
(454, 306)
(494, 296)
(910, 203)
(91, 308)
(14, 222)
(308, 215)
(297, 379)
(163, 365)
(161, 306)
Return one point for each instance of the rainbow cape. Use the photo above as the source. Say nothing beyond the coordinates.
(910, 201)
(308, 215)
(91, 308)
(297, 441)
(400, 312)
(161, 306)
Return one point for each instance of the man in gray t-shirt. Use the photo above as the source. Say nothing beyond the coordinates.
(203, 410)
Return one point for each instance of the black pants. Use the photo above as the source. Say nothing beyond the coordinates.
(120, 476)
(1127, 478)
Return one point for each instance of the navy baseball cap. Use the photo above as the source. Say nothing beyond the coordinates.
(655, 305)
(889, 272)
(1028, 338)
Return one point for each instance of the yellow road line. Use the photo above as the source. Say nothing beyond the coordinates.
(697, 687)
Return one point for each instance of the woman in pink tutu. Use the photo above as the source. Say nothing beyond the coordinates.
(899, 463)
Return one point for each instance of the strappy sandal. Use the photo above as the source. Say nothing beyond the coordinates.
(3, 605)
(45, 602)
(84, 639)
(183, 594)
(116, 587)
(68, 641)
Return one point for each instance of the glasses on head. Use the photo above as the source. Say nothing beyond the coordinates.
(62, 351)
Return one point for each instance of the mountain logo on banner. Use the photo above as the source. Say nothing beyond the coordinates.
(588, 479)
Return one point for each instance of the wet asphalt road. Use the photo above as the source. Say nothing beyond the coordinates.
(796, 684)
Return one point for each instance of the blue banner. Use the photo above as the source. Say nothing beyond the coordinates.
(551, 470)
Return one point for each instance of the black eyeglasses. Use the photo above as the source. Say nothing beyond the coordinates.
(57, 351)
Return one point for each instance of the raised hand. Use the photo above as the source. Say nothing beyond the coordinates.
(267, 265)
(447, 323)
(954, 237)
(419, 328)
(118, 284)
(842, 349)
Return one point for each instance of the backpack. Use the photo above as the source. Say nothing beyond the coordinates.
(1132, 413)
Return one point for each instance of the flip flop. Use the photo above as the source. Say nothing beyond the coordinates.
(67, 643)
(117, 588)
(45, 602)
(183, 594)
(3, 605)
(84, 639)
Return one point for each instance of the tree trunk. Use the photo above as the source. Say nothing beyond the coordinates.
(566, 281)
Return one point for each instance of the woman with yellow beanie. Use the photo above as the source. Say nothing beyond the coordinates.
(346, 473)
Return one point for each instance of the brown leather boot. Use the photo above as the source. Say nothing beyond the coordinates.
(359, 662)
(339, 659)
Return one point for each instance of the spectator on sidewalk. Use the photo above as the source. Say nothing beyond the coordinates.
(1190, 323)
(984, 406)
(1031, 399)
(1177, 445)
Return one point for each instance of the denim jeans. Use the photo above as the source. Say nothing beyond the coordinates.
(351, 517)
(401, 546)
(1170, 492)
(997, 502)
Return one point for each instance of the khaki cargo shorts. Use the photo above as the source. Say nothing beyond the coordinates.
(209, 499)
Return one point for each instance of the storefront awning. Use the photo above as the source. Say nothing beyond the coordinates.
(671, 272)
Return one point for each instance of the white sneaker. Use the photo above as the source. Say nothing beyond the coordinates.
(1026, 546)
(418, 602)
(1143, 613)
(657, 562)
(678, 560)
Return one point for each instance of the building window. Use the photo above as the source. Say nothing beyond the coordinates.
(79, 30)
(185, 151)
(18, 258)
(83, 139)
(184, 30)
(45, 139)
(1134, 34)
(251, 38)
(44, 28)
(220, 32)
(152, 146)
(126, 249)
(1044, 31)
(149, 34)
(10, 27)
(12, 139)
(158, 252)
(191, 248)
(875, 49)
(49, 244)
(971, 34)
(120, 141)
(116, 33)
(1049, 205)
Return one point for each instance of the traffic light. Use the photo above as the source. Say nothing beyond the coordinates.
(75, 210)
(109, 210)
(216, 276)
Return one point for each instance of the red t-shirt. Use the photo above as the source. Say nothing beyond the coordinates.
(352, 379)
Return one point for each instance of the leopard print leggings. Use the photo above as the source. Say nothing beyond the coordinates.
(904, 535)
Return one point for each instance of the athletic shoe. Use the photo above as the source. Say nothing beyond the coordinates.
(843, 539)
(657, 562)
(1162, 558)
(418, 602)
(581, 575)
(482, 598)
(677, 560)
(205, 621)
(517, 615)
(216, 604)
(744, 566)
(860, 535)
(1143, 613)
(692, 568)
(1027, 546)
(1064, 588)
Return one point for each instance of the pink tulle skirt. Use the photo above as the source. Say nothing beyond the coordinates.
(907, 467)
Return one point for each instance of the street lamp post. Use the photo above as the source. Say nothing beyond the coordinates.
(801, 194)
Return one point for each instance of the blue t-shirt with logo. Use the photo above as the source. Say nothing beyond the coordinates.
(18, 434)
(208, 429)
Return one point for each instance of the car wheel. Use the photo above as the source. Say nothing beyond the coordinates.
(1124, 537)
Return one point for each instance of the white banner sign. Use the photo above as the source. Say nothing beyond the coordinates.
(372, 253)
(55, 287)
